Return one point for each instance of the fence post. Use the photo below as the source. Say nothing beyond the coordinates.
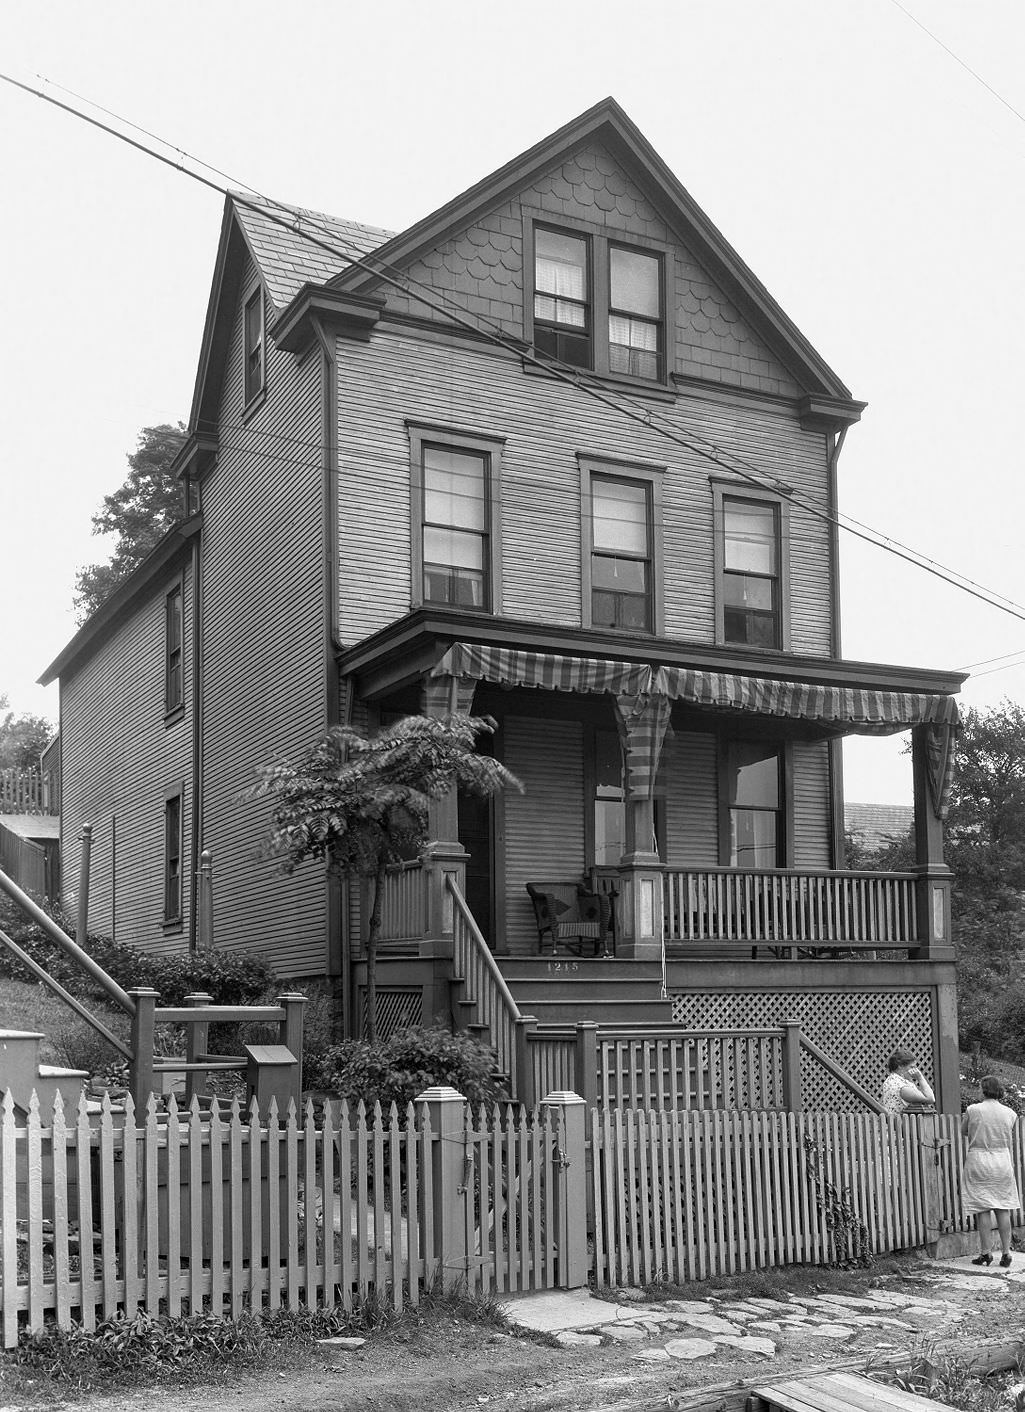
(445, 1108)
(570, 1160)
(586, 1066)
(291, 1035)
(929, 1163)
(197, 1042)
(524, 1060)
(82, 913)
(140, 1080)
(792, 1066)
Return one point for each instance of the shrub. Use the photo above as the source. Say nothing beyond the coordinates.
(397, 1069)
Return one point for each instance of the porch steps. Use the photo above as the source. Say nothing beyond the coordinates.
(559, 990)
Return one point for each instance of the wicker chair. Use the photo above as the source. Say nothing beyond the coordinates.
(572, 914)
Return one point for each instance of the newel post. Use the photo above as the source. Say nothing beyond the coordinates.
(526, 1026)
(443, 1110)
(586, 1063)
(140, 1079)
(570, 1162)
(792, 1101)
(932, 885)
(197, 1047)
(82, 911)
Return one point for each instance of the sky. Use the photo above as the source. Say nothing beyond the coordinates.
(873, 183)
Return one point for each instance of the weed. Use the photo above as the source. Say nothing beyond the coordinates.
(951, 1381)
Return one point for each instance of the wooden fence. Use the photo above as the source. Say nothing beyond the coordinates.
(23, 792)
(26, 863)
(213, 1208)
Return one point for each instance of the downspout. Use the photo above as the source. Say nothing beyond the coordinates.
(337, 893)
(836, 791)
(197, 748)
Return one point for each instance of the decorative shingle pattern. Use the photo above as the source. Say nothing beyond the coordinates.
(482, 269)
(288, 259)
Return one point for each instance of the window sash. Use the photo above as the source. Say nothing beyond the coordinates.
(455, 544)
(173, 858)
(173, 677)
(254, 345)
(751, 577)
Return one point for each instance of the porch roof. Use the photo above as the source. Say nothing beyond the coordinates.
(863, 710)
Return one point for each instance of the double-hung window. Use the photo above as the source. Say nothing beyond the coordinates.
(596, 303)
(173, 858)
(635, 313)
(621, 517)
(562, 301)
(755, 778)
(254, 344)
(620, 554)
(173, 677)
(455, 519)
(751, 551)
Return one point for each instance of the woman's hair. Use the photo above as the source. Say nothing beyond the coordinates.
(991, 1086)
(899, 1058)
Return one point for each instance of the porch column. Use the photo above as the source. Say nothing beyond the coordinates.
(642, 722)
(931, 752)
(444, 855)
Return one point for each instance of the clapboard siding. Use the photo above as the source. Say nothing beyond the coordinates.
(544, 825)
(264, 673)
(119, 760)
(691, 800)
(482, 270)
(392, 379)
(812, 807)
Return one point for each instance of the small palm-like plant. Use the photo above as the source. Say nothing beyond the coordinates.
(360, 801)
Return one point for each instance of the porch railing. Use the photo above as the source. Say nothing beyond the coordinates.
(403, 902)
(782, 908)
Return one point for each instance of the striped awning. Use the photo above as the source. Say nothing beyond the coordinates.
(851, 709)
(548, 671)
(859, 710)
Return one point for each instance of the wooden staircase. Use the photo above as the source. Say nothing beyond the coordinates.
(564, 990)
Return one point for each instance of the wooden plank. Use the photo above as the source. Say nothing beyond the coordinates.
(174, 1211)
(34, 1174)
(343, 1148)
(108, 1223)
(61, 1261)
(237, 1286)
(274, 1265)
(254, 1171)
(151, 1186)
(195, 1208)
(311, 1225)
(865, 1395)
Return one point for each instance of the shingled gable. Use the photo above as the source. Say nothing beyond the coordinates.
(287, 246)
(608, 124)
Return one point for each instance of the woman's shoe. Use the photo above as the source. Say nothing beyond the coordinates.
(987, 1259)
(1005, 1260)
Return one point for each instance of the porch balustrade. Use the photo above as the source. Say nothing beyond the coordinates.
(842, 909)
(403, 903)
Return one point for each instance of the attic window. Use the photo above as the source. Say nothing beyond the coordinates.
(562, 310)
(254, 344)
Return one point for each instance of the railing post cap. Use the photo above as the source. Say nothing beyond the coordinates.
(440, 1093)
(588, 1025)
(293, 995)
(144, 991)
(563, 1098)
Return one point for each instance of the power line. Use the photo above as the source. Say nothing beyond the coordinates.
(623, 403)
(958, 60)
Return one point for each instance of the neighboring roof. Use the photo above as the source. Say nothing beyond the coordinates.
(32, 826)
(290, 258)
(878, 824)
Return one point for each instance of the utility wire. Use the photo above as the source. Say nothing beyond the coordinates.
(295, 222)
(958, 60)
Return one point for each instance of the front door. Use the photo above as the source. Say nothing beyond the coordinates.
(476, 834)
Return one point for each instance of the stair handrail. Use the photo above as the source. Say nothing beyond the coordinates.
(848, 1080)
(490, 964)
(508, 1029)
(44, 976)
(71, 948)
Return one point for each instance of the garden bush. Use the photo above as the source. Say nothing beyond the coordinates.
(397, 1069)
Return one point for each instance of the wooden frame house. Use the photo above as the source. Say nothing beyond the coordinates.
(555, 455)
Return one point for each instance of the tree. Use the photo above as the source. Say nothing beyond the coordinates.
(140, 513)
(360, 802)
(22, 738)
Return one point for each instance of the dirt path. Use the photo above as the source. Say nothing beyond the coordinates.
(454, 1365)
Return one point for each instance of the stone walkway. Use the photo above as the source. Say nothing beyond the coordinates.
(685, 1329)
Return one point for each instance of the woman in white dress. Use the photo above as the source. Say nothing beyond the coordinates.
(905, 1088)
(989, 1187)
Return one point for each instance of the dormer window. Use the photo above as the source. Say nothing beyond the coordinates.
(562, 310)
(254, 345)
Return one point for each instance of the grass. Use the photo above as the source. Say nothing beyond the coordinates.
(951, 1382)
(144, 1351)
(785, 1283)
